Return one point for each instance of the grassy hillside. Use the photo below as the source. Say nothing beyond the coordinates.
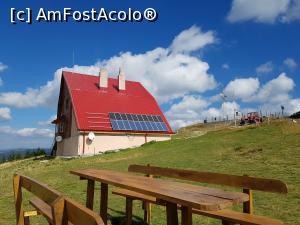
(271, 151)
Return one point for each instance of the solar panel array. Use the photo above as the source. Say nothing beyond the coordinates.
(137, 122)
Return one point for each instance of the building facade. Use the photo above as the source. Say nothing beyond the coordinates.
(98, 114)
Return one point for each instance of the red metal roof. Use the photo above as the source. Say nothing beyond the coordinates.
(91, 105)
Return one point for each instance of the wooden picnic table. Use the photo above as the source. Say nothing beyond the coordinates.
(172, 193)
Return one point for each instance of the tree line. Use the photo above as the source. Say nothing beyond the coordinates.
(17, 155)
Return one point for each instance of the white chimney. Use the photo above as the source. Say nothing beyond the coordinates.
(122, 80)
(103, 78)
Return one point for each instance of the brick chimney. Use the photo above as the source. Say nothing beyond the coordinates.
(122, 81)
(103, 78)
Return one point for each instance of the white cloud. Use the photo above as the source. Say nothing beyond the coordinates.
(249, 89)
(191, 40)
(45, 95)
(265, 68)
(293, 12)
(188, 108)
(225, 111)
(225, 66)
(27, 132)
(187, 111)
(166, 76)
(47, 122)
(267, 98)
(242, 88)
(3, 67)
(292, 106)
(5, 114)
(290, 63)
(276, 90)
(168, 73)
(264, 11)
(194, 109)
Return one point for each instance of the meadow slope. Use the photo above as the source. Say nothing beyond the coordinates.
(271, 151)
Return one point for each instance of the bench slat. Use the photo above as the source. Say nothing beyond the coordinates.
(261, 184)
(42, 207)
(40, 190)
(238, 217)
(227, 215)
(80, 215)
(51, 204)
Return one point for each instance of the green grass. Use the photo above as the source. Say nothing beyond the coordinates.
(271, 151)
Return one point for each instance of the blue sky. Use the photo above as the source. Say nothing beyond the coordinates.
(194, 51)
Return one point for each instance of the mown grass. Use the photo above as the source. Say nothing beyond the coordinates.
(271, 151)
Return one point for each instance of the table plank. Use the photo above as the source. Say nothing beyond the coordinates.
(188, 195)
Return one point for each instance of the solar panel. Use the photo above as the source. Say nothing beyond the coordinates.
(137, 122)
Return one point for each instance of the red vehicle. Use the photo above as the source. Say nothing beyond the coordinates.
(251, 118)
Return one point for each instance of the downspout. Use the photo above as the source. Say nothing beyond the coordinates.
(145, 138)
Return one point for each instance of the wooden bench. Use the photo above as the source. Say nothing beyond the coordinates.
(54, 206)
(227, 216)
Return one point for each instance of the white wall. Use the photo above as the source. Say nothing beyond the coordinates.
(73, 146)
(69, 146)
(106, 142)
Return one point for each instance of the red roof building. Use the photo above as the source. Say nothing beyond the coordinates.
(96, 114)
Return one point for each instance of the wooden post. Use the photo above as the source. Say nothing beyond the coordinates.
(186, 216)
(90, 194)
(172, 215)
(128, 211)
(18, 200)
(58, 212)
(147, 212)
(147, 206)
(248, 206)
(26, 220)
(103, 202)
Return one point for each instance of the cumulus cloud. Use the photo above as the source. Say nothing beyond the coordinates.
(242, 88)
(5, 114)
(265, 68)
(266, 11)
(47, 122)
(3, 67)
(194, 109)
(292, 106)
(276, 90)
(186, 111)
(249, 89)
(27, 132)
(293, 12)
(25, 138)
(166, 76)
(168, 73)
(45, 95)
(191, 40)
(267, 97)
(290, 63)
